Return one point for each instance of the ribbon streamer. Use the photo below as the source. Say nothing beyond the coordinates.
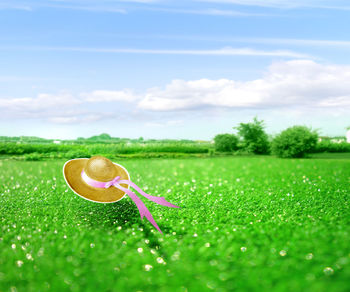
(144, 212)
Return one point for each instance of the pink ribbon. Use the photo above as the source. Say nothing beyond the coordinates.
(144, 212)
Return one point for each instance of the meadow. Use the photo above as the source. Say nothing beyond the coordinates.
(245, 224)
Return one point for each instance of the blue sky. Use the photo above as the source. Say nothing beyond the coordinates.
(172, 69)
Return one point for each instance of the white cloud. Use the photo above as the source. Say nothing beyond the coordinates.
(300, 42)
(340, 101)
(64, 120)
(42, 102)
(109, 96)
(75, 119)
(118, 6)
(63, 101)
(324, 4)
(226, 51)
(89, 8)
(212, 12)
(249, 40)
(164, 124)
(70, 5)
(298, 83)
(63, 108)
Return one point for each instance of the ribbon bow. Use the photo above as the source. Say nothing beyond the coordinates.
(144, 212)
(112, 182)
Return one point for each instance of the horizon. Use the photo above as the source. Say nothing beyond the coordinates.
(145, 139)
(172, 69)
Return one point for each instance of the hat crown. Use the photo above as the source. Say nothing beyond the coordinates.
(100, 168)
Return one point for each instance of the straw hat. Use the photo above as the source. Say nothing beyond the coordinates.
(97, 168)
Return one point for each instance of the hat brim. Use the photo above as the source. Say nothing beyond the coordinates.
(72, 174)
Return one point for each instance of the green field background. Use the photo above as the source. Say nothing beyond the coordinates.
(245, 224)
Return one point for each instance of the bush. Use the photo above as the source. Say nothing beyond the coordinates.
(294, 142)
(328, 146)
(255, 140)
(87, 150)
(33, 156)
(226, 142)
(77, 154)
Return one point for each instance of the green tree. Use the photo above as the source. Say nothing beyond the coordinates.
(226, 142)
(254, 137)
(294, 142)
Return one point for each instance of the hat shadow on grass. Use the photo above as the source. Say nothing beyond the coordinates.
(122, 213)
(110, 216)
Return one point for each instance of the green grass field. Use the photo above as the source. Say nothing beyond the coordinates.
(246, 224)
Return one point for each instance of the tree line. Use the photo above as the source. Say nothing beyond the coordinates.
(296, 141)
(293, 142)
